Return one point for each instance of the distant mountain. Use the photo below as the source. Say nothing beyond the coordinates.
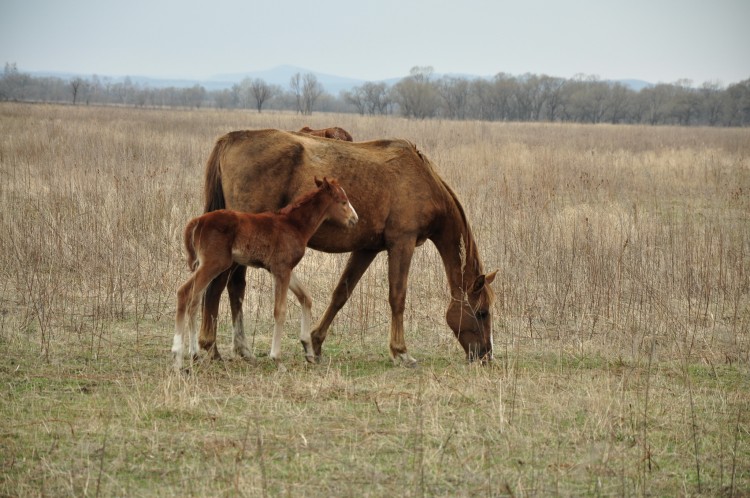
(636, 85)
(280, 75)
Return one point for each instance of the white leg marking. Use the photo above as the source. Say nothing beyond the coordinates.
(177, 346)
(278, 330)
(193, 336)
(306, 303)
(404, 360)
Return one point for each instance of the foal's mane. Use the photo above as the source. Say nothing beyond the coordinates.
(299, 202)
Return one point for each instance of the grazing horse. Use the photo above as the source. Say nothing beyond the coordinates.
(402, 202)
(274, 241)
(335, 133)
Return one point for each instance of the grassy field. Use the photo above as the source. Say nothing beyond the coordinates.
(622, 321)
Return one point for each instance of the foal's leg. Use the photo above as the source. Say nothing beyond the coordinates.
(281, 287)
(358, 263)
(183, 296)
(399, 260)
(188, 299)
(306, 302)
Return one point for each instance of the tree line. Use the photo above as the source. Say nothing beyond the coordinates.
(422, 95)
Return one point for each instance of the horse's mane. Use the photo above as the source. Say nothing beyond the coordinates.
(471, 247)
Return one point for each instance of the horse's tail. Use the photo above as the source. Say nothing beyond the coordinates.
(189, 242)
(213, 192)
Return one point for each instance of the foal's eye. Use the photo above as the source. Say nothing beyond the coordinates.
(482, 314)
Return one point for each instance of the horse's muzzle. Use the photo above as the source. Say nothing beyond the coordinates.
(482, 356)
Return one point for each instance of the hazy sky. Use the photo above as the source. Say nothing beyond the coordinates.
(652, 40)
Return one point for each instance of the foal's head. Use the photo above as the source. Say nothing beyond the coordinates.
(341, 211)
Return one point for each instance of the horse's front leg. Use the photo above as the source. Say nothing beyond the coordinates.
(281, 287)
(358, 263)
(305, 302)
(236, 289)
(399, 261)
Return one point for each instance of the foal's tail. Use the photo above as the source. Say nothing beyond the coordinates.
(189, 241)
(213, 193)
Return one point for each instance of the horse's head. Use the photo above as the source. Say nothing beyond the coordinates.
(341, 211)
(471, 318)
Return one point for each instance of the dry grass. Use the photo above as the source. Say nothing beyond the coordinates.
(622, 321)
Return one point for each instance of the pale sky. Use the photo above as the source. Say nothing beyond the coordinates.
(651, 40)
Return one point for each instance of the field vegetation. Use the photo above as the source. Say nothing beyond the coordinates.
(622, 320)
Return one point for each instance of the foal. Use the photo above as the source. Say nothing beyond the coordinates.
(274, 241)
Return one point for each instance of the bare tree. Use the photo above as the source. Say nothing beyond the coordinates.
(552, 94)
(76, 85)
(737, 104)
(14, 83)
(261, 92)
(529, 97)
(377, 97)
(416, 94)
(194, 96)
(356, 97)
(711, 96)
(295, 84)
(455, 95)
(504, 97)
(370, 98)
(311, 91)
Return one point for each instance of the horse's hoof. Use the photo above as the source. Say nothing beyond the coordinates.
(280, 366)
(312, 359)
(252, 360)
(245, 354)
(404, 360)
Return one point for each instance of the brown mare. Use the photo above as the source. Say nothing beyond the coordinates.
(335, 133)
(274, 241)
(402, 202)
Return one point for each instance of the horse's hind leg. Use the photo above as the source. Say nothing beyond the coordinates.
(306, 302)
(211, 299)
(236, 290)
(358, 263)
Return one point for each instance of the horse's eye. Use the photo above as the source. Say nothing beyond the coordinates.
(482, 314)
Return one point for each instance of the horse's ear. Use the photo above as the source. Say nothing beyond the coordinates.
(490, 277)
(481, 281)
(319, 183)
